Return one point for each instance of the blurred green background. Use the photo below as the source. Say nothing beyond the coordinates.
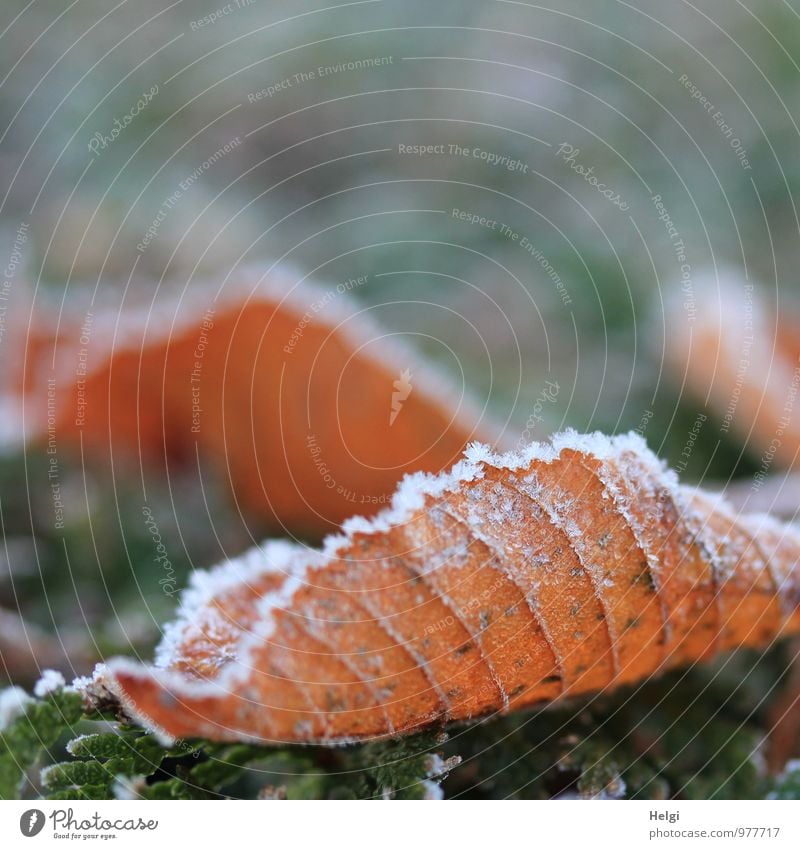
(317, 181)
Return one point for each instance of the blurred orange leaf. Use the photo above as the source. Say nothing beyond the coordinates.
(735, 352)
(310, 409)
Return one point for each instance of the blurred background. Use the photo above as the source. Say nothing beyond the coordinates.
(542, 198)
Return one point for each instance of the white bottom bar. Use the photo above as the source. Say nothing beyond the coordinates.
(345, 825)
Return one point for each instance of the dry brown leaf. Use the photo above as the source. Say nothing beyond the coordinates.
(311, 410)
(512, 580)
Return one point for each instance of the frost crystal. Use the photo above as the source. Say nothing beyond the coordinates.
(13, 702)
(50, 682)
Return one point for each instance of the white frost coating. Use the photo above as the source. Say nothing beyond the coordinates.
(104, 681)
(511, 460)
(785, 530)
(273, 557)
(81, 684)
(51, 681)
(286, 558)
(239, 671)
(296, 562)
(752, 521)
(408, 498)
(614, 449)
(96, 689)
(722, 557)
(75, 742)
(13, 703)
(779, 542)
(596, 444)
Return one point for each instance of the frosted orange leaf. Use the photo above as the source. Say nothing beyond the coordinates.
(512, 580)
